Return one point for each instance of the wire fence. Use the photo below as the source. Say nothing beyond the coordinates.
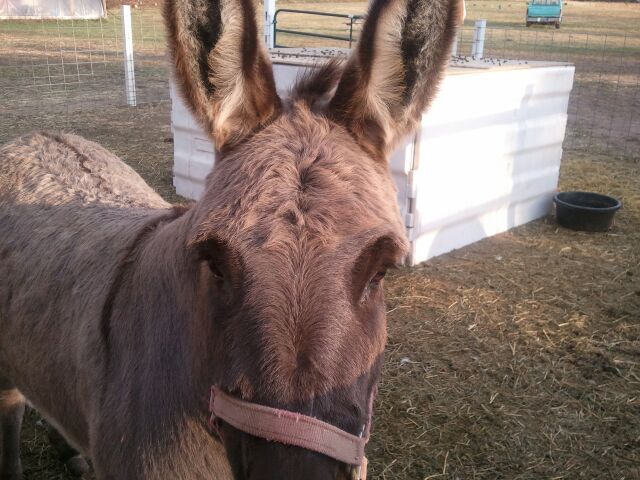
(71, 67)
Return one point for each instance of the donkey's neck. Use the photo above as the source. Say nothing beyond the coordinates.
(169, 307)
(162, 363)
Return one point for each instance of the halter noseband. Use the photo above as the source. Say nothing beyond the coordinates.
(292, 428)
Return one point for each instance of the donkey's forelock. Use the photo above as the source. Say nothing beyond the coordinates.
(301, 174)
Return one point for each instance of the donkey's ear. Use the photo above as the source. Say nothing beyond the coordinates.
(221, 66)
(393, 74)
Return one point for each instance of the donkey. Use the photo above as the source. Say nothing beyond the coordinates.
(119, 312)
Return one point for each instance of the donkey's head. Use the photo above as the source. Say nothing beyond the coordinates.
(299, 222)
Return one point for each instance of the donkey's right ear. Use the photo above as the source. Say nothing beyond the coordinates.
(221, 66)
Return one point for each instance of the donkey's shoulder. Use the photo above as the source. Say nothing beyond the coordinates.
(59, 165)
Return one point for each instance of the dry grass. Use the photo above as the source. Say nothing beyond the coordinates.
(516, 357)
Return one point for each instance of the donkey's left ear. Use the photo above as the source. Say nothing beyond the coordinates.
(393, 74)
(222, 66)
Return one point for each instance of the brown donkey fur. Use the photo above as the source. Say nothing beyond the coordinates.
(118, 311)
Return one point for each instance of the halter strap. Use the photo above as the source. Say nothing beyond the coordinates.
(290, 428)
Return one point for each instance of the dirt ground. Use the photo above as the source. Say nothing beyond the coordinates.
(515, 357)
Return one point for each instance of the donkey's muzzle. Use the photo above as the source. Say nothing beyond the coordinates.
(253, 458)
(264, 442)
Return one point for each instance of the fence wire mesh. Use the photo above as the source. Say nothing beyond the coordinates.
(67, 66)
(64, 68)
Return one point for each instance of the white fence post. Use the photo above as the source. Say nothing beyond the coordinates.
(269, 12)
(477, 49)
(129, 72)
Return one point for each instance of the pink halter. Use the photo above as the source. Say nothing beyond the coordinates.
(292, 428)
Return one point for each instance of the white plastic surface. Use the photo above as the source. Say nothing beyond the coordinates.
(493, 162)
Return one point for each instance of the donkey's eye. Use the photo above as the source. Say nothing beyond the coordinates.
(377, 278)
(215, 271)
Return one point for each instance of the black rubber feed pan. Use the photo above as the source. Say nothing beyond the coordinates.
(586, 211)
